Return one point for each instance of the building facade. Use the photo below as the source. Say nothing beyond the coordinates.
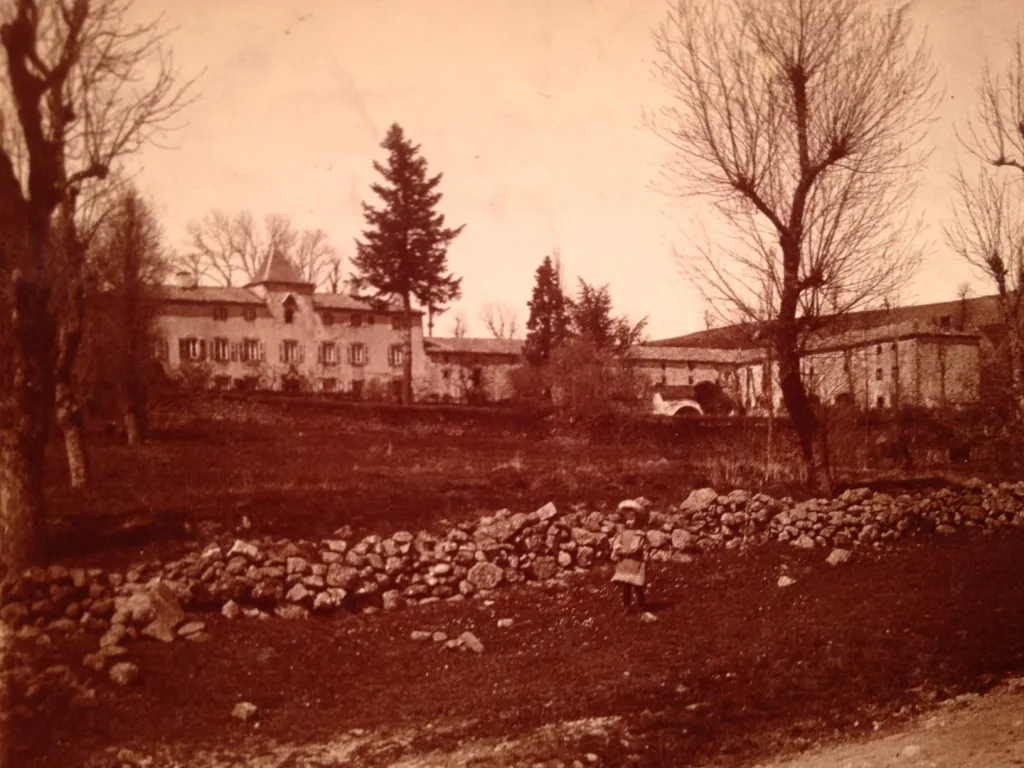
(278, 333)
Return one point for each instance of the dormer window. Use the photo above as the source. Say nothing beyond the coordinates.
(289, 309)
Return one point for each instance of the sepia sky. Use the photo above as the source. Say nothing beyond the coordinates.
(532, 110)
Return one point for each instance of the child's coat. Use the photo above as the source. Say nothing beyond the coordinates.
(632, 568)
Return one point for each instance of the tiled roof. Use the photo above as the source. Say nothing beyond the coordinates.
(205, 294)
(652, 354)
(278, 268)
(346, 301)
(508, 347)
(980, 312)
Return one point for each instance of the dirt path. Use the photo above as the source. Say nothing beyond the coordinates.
(965, 732)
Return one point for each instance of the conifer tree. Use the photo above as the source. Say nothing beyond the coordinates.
(548, 325)
(404, 251)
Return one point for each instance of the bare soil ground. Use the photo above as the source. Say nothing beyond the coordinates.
(735, 671)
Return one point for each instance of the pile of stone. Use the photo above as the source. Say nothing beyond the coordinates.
(265, 577)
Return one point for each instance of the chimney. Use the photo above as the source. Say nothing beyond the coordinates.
(353, 288)
(186, 279)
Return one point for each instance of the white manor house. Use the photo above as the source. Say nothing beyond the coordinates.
(277, 332)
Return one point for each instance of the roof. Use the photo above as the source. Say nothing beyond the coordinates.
(979, 312)
(912, 329)
(278, 268)
(347, 301)
(507, 347)
(652, 354)
(206, 294)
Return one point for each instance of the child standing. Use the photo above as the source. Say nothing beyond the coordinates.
(630, 550)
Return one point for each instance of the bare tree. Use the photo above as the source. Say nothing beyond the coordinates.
(333, 279)
(127, 262)
(500, 320)
(460, 328)
(995, 134)
(82, 88)
(987, 230)
(799, 121)
(987, 226)
(231, 249)
(315, 258)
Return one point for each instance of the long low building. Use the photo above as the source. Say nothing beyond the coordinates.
(277, 332)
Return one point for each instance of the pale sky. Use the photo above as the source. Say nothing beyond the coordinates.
(532, 110)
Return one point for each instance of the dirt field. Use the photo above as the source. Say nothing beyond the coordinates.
(734, 671)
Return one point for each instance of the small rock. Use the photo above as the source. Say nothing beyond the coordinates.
(803, 542)
(124, 673)
(485, 575)
(420, 635)
(191, 628)
(471, 642)
(245, 711)
(504, 623)
(291, 612)
(837, 556)
(439, 637)
(911, 750)
(245, 549)
(786, 581)
(231, 610)
(648, 618)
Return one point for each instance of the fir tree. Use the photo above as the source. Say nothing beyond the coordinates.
(404, 251)
(548, 325)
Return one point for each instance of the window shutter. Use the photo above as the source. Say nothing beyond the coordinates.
(182, 350)
(202, 349)
(302, 353)
(348, 354)
(320, 353)
(280, 351)
(234, 351)
(262, 352)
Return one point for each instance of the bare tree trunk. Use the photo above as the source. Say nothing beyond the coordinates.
(812, 438)
(72, 426)
(69, 340)
(407, 396)
(25, 411)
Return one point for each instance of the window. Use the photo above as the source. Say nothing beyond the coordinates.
(357, 354)
(477, 377)
(221, 350)
(878, 349)
(945, 321)
(191, 349)
(249, 314)
(398, 323)
(161, 349)
(222, 382)
(328, 385)
(357, 388)
(328, 354)
(252, 350)
(878, 374)
(291, 351)
(880, 401)
(396, 354)
(446, 374)
(328, 318)
(289, 309)
(220, 313)
(369, 319)
(356, 320)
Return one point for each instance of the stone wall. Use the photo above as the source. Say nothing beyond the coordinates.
(296, 579)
